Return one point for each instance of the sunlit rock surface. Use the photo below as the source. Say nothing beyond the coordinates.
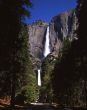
(60, 27)
(37, 34)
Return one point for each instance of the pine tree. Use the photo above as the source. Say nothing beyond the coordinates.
(12, 12)
(62, 73)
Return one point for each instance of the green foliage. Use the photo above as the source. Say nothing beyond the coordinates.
(66, 47)
(46, 90)
(38, 22)
(27, 77)
(63, 74)
(11, 45)
(31, 92)
(30, 86)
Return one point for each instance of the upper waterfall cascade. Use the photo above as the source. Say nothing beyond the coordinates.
(47, 43)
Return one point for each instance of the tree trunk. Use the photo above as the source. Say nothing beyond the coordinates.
(12, 102)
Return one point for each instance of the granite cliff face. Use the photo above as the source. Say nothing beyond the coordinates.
(61, 27)
(37, 32)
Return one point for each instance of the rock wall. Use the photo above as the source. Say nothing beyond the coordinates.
(61, 27)
(37, 34)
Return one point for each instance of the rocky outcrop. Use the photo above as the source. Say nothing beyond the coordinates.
(61, 26)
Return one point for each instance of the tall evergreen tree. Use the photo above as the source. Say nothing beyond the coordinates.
(62, 73)
(72, 68)
(82, 41)
(26, 79)
(12, 12)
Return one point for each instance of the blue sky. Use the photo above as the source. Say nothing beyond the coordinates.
(46, 9)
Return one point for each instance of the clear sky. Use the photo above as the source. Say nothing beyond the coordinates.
(46, 9)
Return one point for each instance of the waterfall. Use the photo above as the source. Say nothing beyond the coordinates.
(47, 43)
(46, 52)
(39, 77)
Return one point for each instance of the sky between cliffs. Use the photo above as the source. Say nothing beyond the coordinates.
(46, 9)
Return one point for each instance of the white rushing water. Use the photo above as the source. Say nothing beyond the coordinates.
(47, 43)
(46, 52)
(39, 78)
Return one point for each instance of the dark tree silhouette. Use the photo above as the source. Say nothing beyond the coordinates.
(12, 13)
(72, 66)
(82, 41)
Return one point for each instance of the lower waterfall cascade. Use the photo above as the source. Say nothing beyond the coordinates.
(45, 53)
(39, 77)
